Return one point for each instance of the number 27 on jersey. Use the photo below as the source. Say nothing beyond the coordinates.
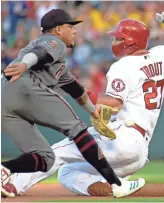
(153, 91)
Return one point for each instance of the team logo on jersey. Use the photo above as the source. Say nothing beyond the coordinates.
(52, 43)
(59, 71)
(118, 85)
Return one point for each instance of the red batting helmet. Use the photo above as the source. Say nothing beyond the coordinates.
(135, 36)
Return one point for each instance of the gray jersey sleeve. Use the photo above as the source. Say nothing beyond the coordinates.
(50, 44)
(55, 48)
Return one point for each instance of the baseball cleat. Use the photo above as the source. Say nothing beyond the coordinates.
(127, 187)
(10, 191)
(6, 190)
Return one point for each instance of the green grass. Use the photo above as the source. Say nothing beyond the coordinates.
(153, 172)
(157, 199)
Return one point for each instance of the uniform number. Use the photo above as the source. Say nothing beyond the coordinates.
(156, 89)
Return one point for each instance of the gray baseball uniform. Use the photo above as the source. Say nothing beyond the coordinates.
(31, 100)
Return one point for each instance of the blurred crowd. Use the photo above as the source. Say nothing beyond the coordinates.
(91, 58)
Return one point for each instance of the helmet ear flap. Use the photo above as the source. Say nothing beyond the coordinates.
(129, 41)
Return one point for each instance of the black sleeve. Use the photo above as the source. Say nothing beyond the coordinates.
(74, 88)
(43, 56)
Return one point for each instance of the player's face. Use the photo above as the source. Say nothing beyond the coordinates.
(118, 47)
(68, 35)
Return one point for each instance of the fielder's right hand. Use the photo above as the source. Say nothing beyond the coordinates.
(96, 113)
(15, 71)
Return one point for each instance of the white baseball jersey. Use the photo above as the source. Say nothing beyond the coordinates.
(138, 81)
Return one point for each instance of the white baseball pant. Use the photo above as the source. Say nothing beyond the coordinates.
(126, 154)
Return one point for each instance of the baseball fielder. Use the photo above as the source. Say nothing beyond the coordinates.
(137, 79)
(28, 99)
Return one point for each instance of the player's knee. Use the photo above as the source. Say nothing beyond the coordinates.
(76, 129)
(133, 167)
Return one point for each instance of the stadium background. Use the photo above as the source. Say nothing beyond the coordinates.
(91, 57)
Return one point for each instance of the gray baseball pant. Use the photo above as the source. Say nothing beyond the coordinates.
(26, 103)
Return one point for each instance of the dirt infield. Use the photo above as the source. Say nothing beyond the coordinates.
(55, 192)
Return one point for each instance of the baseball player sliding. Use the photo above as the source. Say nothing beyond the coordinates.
(28, 99)
(137, 80)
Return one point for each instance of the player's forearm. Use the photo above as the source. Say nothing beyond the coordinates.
(86, 103)
(83, 96)
(109, 101)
